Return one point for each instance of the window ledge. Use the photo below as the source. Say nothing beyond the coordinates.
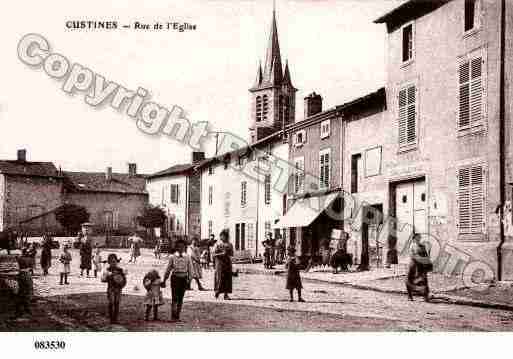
(471, 32)
(471, 130)
(477, 237)
(406, 64)
(407, 148)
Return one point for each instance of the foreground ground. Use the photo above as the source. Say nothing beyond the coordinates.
(260, 302)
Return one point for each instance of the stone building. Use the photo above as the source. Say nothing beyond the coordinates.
(443, 166)
(28, 190)
(177, 191)
(114, 200)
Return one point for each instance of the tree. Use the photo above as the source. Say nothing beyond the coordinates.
(71, 217)
(152, 217)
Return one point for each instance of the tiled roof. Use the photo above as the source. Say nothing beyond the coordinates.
(97, 182)
(25, 168)
(173, 170)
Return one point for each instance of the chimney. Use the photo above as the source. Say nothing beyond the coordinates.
(313, 104)
(198, 156)
(108, 174)
(132, 169)
(22, 155)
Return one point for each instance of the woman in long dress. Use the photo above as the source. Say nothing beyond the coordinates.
(420, 265)
(223, 253)
(86, 256)
(46, 254)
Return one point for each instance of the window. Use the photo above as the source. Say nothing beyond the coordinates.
(325, 129)
(210, 195)
(265, 107)
(210, 229)
(251, 235)
(355, 161)
(300, 138)
(175, 193)
(472, 14)
(324, 169)
(243, 193)
(408, 116)
(471, 199)
(267, 189)
(407, 31)
(299, 164)
(240, 236)
(258, 109)
(471, 86)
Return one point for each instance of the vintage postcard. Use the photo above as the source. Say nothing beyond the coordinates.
(255, 166)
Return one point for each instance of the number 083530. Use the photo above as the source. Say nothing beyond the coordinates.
(49, 345)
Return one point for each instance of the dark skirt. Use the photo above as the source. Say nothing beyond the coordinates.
(178, 287)
(223, 276)
(46, 258)
(417, 279)
(293, 277)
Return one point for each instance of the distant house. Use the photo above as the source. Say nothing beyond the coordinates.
(177, 191)
(27, 191)
(114, 200)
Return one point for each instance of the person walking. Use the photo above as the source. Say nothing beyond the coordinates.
(267, 251)
(86, 255)
(419, 266)
(153, 285)
(46, 254)
(293, 276)
(223, 253)
(25, 284)
(135, 247)
(158, 248)
(194, 252)
(179, 269)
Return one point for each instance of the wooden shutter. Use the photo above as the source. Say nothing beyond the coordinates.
(471, 199)
(407, 116)
(471, 93)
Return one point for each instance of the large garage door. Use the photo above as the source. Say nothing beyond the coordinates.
(410, 201)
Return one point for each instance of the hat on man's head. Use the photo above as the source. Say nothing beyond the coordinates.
(225, 233)
(113, 257)
(180, 241)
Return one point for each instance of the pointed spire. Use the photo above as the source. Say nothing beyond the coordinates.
(272, 67)
(259, 76)
(286, 76)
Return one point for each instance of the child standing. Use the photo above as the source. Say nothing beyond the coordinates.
(180, 270)
(115, 278)
(97, 260)
(65, 260)
(154, 298)
(25, 284)
(293, 277)
(204, 259)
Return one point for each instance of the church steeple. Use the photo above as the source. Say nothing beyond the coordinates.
(272, 66)
(273, 97)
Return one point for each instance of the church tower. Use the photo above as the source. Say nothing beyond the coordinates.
(273, 98)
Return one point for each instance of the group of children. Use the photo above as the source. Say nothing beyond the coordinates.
(180, 270)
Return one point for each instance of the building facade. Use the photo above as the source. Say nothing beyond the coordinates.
(28, 190)
(113, 200)
(177, 191)
(441, 156)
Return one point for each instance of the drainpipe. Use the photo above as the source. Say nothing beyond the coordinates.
(502, 161)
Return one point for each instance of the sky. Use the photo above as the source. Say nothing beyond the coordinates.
(332, 46)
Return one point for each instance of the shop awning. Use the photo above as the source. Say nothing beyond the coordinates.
(305, 211)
